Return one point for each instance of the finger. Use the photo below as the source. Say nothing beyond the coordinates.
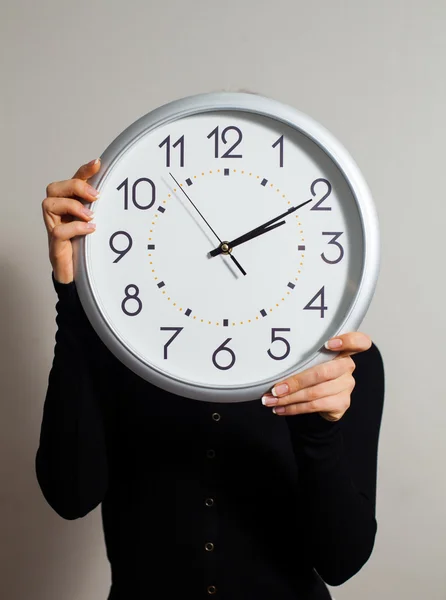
(67, 231)
(86, 171)
(313, 393)
(66, 206)
(337, 404)
(313, 376)
(349, 343)
(70, 188)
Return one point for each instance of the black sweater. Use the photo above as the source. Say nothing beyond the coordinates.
(203, 499)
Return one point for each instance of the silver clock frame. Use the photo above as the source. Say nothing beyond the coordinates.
(251, 103)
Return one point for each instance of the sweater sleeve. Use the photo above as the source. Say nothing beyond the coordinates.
(71, 459)
(338, 469)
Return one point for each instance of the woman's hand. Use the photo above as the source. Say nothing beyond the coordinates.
(66, 217)
(325, 388)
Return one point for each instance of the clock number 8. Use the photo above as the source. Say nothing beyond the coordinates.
(131, 296)
(223, 348)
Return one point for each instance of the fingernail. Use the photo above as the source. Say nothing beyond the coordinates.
(280, 390)
(87, 212)
(268, 400)
(92, 191)
(93, 162)
(279, 410)
(91, 225)
(334, 343)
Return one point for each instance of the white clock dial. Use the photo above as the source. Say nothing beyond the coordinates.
(232, 320)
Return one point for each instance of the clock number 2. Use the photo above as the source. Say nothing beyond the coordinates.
(223, 348)
(133, 296)
(278, 338)
(125, 185)
(318, 206)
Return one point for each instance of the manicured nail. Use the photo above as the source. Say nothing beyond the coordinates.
(87, 211)
(91, 225)
(279, 410)
(92, 191)
(93, 162)
(280, 390)
(268, 400)
(332, 344)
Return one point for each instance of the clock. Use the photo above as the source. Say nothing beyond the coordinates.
(235, 235)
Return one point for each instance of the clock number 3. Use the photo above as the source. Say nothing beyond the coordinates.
(131, 297)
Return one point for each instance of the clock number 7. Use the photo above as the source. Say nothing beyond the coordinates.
(177, 330)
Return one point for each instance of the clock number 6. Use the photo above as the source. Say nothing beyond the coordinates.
(131, 296)
(220, 349)
(278, 338)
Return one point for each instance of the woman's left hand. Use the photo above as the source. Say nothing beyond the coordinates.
(325, 388)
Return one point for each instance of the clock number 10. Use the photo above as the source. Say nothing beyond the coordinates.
(125, 186)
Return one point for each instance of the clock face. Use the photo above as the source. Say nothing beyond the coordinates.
(243, 317)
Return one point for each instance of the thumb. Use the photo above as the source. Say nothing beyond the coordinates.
(86, 171)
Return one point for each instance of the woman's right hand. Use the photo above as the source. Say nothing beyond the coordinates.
(66, 217)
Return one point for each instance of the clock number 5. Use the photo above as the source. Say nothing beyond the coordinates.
(278, 338)
(125, 185)
(223, 348)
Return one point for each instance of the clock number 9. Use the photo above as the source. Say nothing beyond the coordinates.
(216, 133)
(131, 296)
(124, 251)
(278, 338)
(220, 349)
(333, 241)
(125, 185)
(318, 206)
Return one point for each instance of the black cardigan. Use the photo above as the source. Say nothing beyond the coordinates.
(203, 499)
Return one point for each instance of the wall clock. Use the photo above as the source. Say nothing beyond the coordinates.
(235, 235)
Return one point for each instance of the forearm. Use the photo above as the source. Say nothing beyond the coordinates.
(71, 461)
(339, 519)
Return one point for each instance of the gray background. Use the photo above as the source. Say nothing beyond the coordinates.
(74, 75)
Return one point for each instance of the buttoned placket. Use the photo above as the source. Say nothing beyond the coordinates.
(209, 545)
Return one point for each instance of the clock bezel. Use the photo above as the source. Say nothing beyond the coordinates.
(268, 107)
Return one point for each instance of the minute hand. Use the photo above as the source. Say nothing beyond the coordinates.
(260, 230)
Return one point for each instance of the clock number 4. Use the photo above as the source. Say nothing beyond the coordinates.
(152, 193)
(216, 133)
(167, 143)
(321, 307)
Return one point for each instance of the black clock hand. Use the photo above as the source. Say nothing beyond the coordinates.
(226, 247)
(234, 260)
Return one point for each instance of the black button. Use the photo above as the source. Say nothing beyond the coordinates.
(209, 502)
(212, 590)
(216, 417)
(209, 546)
(210, 453)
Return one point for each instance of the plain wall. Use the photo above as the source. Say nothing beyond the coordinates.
(75, 74)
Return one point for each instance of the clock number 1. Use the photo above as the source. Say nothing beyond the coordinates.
(279, 143)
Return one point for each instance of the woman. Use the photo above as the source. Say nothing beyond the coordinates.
(271, 499)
